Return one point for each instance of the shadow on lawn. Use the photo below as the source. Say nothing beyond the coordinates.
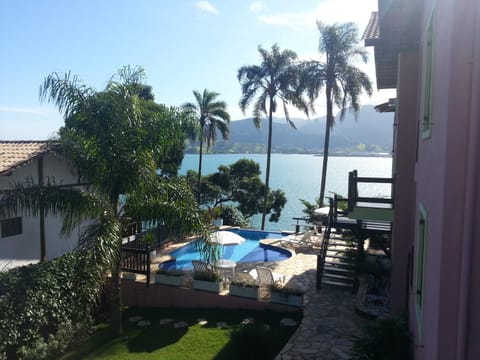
(255, 342)
(149, 339)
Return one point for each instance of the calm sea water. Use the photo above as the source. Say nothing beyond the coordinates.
(299, 177)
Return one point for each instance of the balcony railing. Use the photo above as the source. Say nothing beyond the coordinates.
(354, 199)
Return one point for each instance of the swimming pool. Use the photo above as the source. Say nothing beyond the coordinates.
(249, 251)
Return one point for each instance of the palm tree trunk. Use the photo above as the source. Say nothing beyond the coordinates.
(326, 145)
(199, 181)
(116, 280)
(267, 171)
(116, 297)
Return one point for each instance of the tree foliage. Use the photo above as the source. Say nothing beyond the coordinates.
(117, 140)
(240, 184)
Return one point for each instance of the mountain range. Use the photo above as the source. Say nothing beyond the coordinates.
(370, 132)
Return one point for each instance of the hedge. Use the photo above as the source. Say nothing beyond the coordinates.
(47, 307)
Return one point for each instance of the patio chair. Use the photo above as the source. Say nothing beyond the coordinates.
(298, 240)
(265, 276)
(201, 266)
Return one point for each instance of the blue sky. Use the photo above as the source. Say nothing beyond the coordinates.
(181, 44)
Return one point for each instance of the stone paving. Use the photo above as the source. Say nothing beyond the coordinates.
(330, 321)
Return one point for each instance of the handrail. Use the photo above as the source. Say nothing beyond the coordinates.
(354, 198)
(326, 238)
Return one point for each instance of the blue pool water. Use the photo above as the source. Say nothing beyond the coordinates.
(249, 251)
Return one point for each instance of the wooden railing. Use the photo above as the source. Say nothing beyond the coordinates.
(323, 251)
(354, 197)
(136, 260)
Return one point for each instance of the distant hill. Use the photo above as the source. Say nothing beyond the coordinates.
(371, 132)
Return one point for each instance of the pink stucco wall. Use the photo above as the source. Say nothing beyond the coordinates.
(444, 174)
(403, 173)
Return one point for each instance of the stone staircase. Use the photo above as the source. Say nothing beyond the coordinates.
(339, 266)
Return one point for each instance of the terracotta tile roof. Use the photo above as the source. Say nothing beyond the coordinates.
(16, 153)
(372, 31)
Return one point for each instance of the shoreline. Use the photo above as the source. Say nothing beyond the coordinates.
(382, 155)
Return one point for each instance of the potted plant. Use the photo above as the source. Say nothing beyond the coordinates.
(169, 277)
(244, 285)
(281, 293)
(129, 276)
(149, 239)
(208, 281)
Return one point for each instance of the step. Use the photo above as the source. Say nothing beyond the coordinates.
(341, 257)
(340, 243)
(342, 251)
(340, 264)
(338, 277)
(337, 269)
(335, 283)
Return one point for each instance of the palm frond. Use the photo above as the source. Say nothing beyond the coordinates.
(65, 91)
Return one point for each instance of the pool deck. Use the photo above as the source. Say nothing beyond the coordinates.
(330, 321)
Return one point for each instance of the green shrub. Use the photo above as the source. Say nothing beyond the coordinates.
(46, 307)
(387, 338)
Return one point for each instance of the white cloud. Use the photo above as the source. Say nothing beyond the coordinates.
(256, 6)
(328, 11)
(207, 7)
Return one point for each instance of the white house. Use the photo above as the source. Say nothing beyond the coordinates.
(30, 162)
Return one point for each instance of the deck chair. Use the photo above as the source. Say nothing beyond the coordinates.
(265, 276)
(298, 240)
(201, 267)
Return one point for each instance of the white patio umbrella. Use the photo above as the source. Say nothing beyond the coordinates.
(322, 211)
(226, 238)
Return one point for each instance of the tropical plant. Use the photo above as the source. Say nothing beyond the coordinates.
(275, 80)
(249, 282)
(343, 81)
(212, 115)
(386, 338)
(116, 141)
(172, 272)
(281, 287)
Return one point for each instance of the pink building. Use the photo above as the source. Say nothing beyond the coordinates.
(429, 50)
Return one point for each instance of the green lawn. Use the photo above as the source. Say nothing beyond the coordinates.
(261, 340)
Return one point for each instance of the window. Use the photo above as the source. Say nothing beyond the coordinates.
(427, 82)
(422, 236)
(11, 227)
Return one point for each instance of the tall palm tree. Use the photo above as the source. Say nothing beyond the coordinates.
(343, 81)
(117, 139)
(275, 79)
(211, 115)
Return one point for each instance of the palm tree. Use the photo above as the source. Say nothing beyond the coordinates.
(343, 81)
(116, 139)
(275, 79)
(211, 115)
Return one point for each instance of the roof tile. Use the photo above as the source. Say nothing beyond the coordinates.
(15, 153)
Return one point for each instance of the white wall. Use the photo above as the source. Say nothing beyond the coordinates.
(25, 248)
